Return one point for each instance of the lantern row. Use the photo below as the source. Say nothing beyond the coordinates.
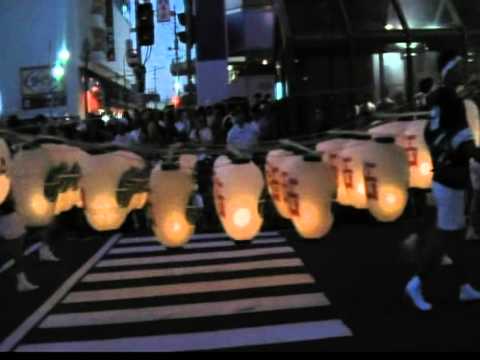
(367, 171)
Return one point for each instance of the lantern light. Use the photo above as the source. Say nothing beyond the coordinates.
(330, 151)
(30, 168)
(418, 153)
(238, 186)
(312, 187)
(5, 164)
(386, 172)
(171, 189)
(100, 186)
(351, 169)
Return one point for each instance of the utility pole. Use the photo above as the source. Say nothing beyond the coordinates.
(189, 16)
(139, 48)
(176, 45)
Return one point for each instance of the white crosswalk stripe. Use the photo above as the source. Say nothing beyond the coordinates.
(140, 297)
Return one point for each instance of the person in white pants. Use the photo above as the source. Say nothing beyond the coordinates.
(451, 144)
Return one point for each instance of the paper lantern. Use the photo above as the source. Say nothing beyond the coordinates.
(386, 179)
(394, 128)
(330, 151)
(276, 180)
(418, 153)
(311, 189)
(74, 159)
(171, 189)
(238, 187)
(351, 170)
(5, 164)
(188, 163)
(139, 201)
(100, 185)
(30, 168)
(473, 118)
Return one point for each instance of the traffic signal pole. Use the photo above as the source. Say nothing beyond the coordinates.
(189, 28)
(139, 47)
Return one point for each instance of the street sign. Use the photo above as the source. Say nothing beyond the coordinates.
(163, 11)
(39, 90)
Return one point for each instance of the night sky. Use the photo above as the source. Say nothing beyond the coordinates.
(161, 56)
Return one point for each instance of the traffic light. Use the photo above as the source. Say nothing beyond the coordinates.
(146, 24)
(183, 36)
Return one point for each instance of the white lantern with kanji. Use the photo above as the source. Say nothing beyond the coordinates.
(418, 153)
(171, 188)
(473, 118)
(330, 151)
(100, 185)
(311, 190)
(276, 180)
(5, 175)
(386, 172)
(238, 186)
(351, 169)
(30, 168)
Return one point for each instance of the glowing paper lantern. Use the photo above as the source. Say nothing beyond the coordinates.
(351, 167)
(420, 160)
(473, 118)
(238, 187)
(276, 181)
(386, 179)
(100, 185)
(188, 163)
(72, 157)
(139, 201)
(171, 189)
(5, 164)
(330, 151)
(312, 187)
(29, 172)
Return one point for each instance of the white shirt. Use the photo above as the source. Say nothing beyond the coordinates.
(204, 136)
(243, 138)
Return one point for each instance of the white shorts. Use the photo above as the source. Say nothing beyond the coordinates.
(450, 208)
(12, 227)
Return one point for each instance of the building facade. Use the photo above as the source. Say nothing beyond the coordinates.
(93, 33)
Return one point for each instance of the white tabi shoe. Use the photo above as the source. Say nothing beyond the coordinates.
(469, 294)
(46, 254)
(23, 285)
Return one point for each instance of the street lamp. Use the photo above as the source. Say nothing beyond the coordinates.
(64, 56)
(58, 72)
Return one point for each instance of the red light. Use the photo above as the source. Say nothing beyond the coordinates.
(176, 101)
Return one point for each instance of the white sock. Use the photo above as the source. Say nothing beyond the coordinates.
(24, 285)
(47, 255)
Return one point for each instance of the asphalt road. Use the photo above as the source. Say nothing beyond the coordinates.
(346, 295)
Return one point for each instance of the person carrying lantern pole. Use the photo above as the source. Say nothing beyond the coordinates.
(452, 146)
(13, 233)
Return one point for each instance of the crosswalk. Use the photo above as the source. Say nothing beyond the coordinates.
(213, 295)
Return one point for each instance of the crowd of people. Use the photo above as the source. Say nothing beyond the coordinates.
(241, 125)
